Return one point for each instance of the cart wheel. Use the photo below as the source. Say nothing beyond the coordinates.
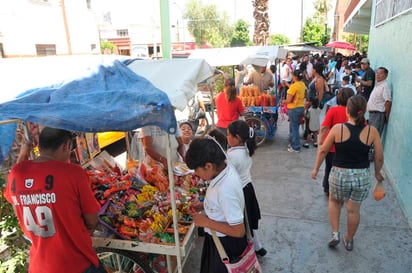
(121, 261)
(260, 127)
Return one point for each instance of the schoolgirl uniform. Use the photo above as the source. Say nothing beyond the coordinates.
(224, 202)
(239, 157)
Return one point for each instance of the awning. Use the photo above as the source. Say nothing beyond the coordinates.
(236, 55)
(89, 94)
(358, 17)
(177, 77)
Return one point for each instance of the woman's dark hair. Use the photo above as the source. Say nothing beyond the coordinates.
(298, 74)
(52, 139)
(338, 64)
(303, 66)
(356, 108)
(246, 134)
(202, 151)
(319, 67)
(219, 136)
(343, 95)
(230, 89)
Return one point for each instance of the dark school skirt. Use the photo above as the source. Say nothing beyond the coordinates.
(252, 206)
(211, 261)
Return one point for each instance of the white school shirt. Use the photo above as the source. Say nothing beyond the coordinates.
(224, 200)
(239, 157)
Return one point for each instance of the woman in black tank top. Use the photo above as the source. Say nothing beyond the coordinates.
(350, 177)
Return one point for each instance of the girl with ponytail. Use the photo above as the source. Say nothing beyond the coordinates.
(241, 139)
(350, 178)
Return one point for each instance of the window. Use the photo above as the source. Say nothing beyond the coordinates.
(388, 9)
(122, 32)
(45, 50)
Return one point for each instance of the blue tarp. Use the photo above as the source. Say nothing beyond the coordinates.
(113, 98)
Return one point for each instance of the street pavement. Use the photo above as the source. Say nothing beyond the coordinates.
(295, 225)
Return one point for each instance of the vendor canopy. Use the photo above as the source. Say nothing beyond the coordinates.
(177, 77)
(105, 95)
(237, 55)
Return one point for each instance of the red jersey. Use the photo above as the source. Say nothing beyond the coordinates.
(50, 198)
(227, 111)
(335, 115)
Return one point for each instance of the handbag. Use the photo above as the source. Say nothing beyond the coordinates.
(195, 112)
(248, 262)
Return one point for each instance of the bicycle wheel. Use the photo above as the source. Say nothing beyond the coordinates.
(121, 261)
(260, 127)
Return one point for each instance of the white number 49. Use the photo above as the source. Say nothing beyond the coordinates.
(42, 224)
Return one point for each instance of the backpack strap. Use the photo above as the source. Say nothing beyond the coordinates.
(341, 132)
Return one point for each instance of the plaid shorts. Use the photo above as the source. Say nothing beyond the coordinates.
(350, 184)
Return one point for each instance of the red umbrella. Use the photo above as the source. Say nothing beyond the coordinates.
(341, 45)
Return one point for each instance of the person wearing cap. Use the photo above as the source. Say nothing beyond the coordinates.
(367, 81)
(380, 101)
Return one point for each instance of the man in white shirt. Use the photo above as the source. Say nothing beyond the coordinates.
(380, 101)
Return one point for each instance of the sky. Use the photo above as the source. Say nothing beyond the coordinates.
(285, 16)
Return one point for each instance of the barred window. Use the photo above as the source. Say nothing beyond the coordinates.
(386, 10)
(122, 32)
(45, 50)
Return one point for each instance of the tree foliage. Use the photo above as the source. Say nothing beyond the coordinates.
(240, 35)
(361, 41)
(314, 28)
(278, 39)
(207, 25)
(107, 47)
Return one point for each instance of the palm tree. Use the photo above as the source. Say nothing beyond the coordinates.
(260, 13)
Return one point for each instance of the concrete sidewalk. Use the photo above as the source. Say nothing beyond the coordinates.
(295, 225)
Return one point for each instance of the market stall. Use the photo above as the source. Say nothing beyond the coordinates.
(101, 94)
(261, 108)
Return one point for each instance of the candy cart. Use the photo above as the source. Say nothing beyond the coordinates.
(103, 94)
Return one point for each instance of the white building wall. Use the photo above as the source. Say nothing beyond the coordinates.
(24, 24)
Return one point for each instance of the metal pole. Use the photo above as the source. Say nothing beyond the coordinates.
(165, 29)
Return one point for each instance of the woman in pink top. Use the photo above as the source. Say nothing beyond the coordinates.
(229, 107)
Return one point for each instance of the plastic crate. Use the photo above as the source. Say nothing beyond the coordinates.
(270, 109)
(250, 109)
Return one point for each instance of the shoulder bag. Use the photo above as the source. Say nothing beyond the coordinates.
(248, 262)
(195, 112)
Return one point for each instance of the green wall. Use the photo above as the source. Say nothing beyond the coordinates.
(390, 45)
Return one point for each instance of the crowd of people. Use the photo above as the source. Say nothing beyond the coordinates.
(353, 124)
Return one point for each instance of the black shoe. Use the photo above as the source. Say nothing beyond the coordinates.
(261, 252)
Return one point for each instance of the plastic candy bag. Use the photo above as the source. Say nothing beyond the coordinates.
(378, 191)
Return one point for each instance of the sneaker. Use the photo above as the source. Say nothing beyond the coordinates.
(261, 252)
(348, 244)
(315, 144)
(291, 150)
(334, 241)
(289, 146)
(306, 145)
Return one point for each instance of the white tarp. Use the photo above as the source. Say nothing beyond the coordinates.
(178, 78)
(236, 55)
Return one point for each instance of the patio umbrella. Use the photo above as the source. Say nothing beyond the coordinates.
(341, 45)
